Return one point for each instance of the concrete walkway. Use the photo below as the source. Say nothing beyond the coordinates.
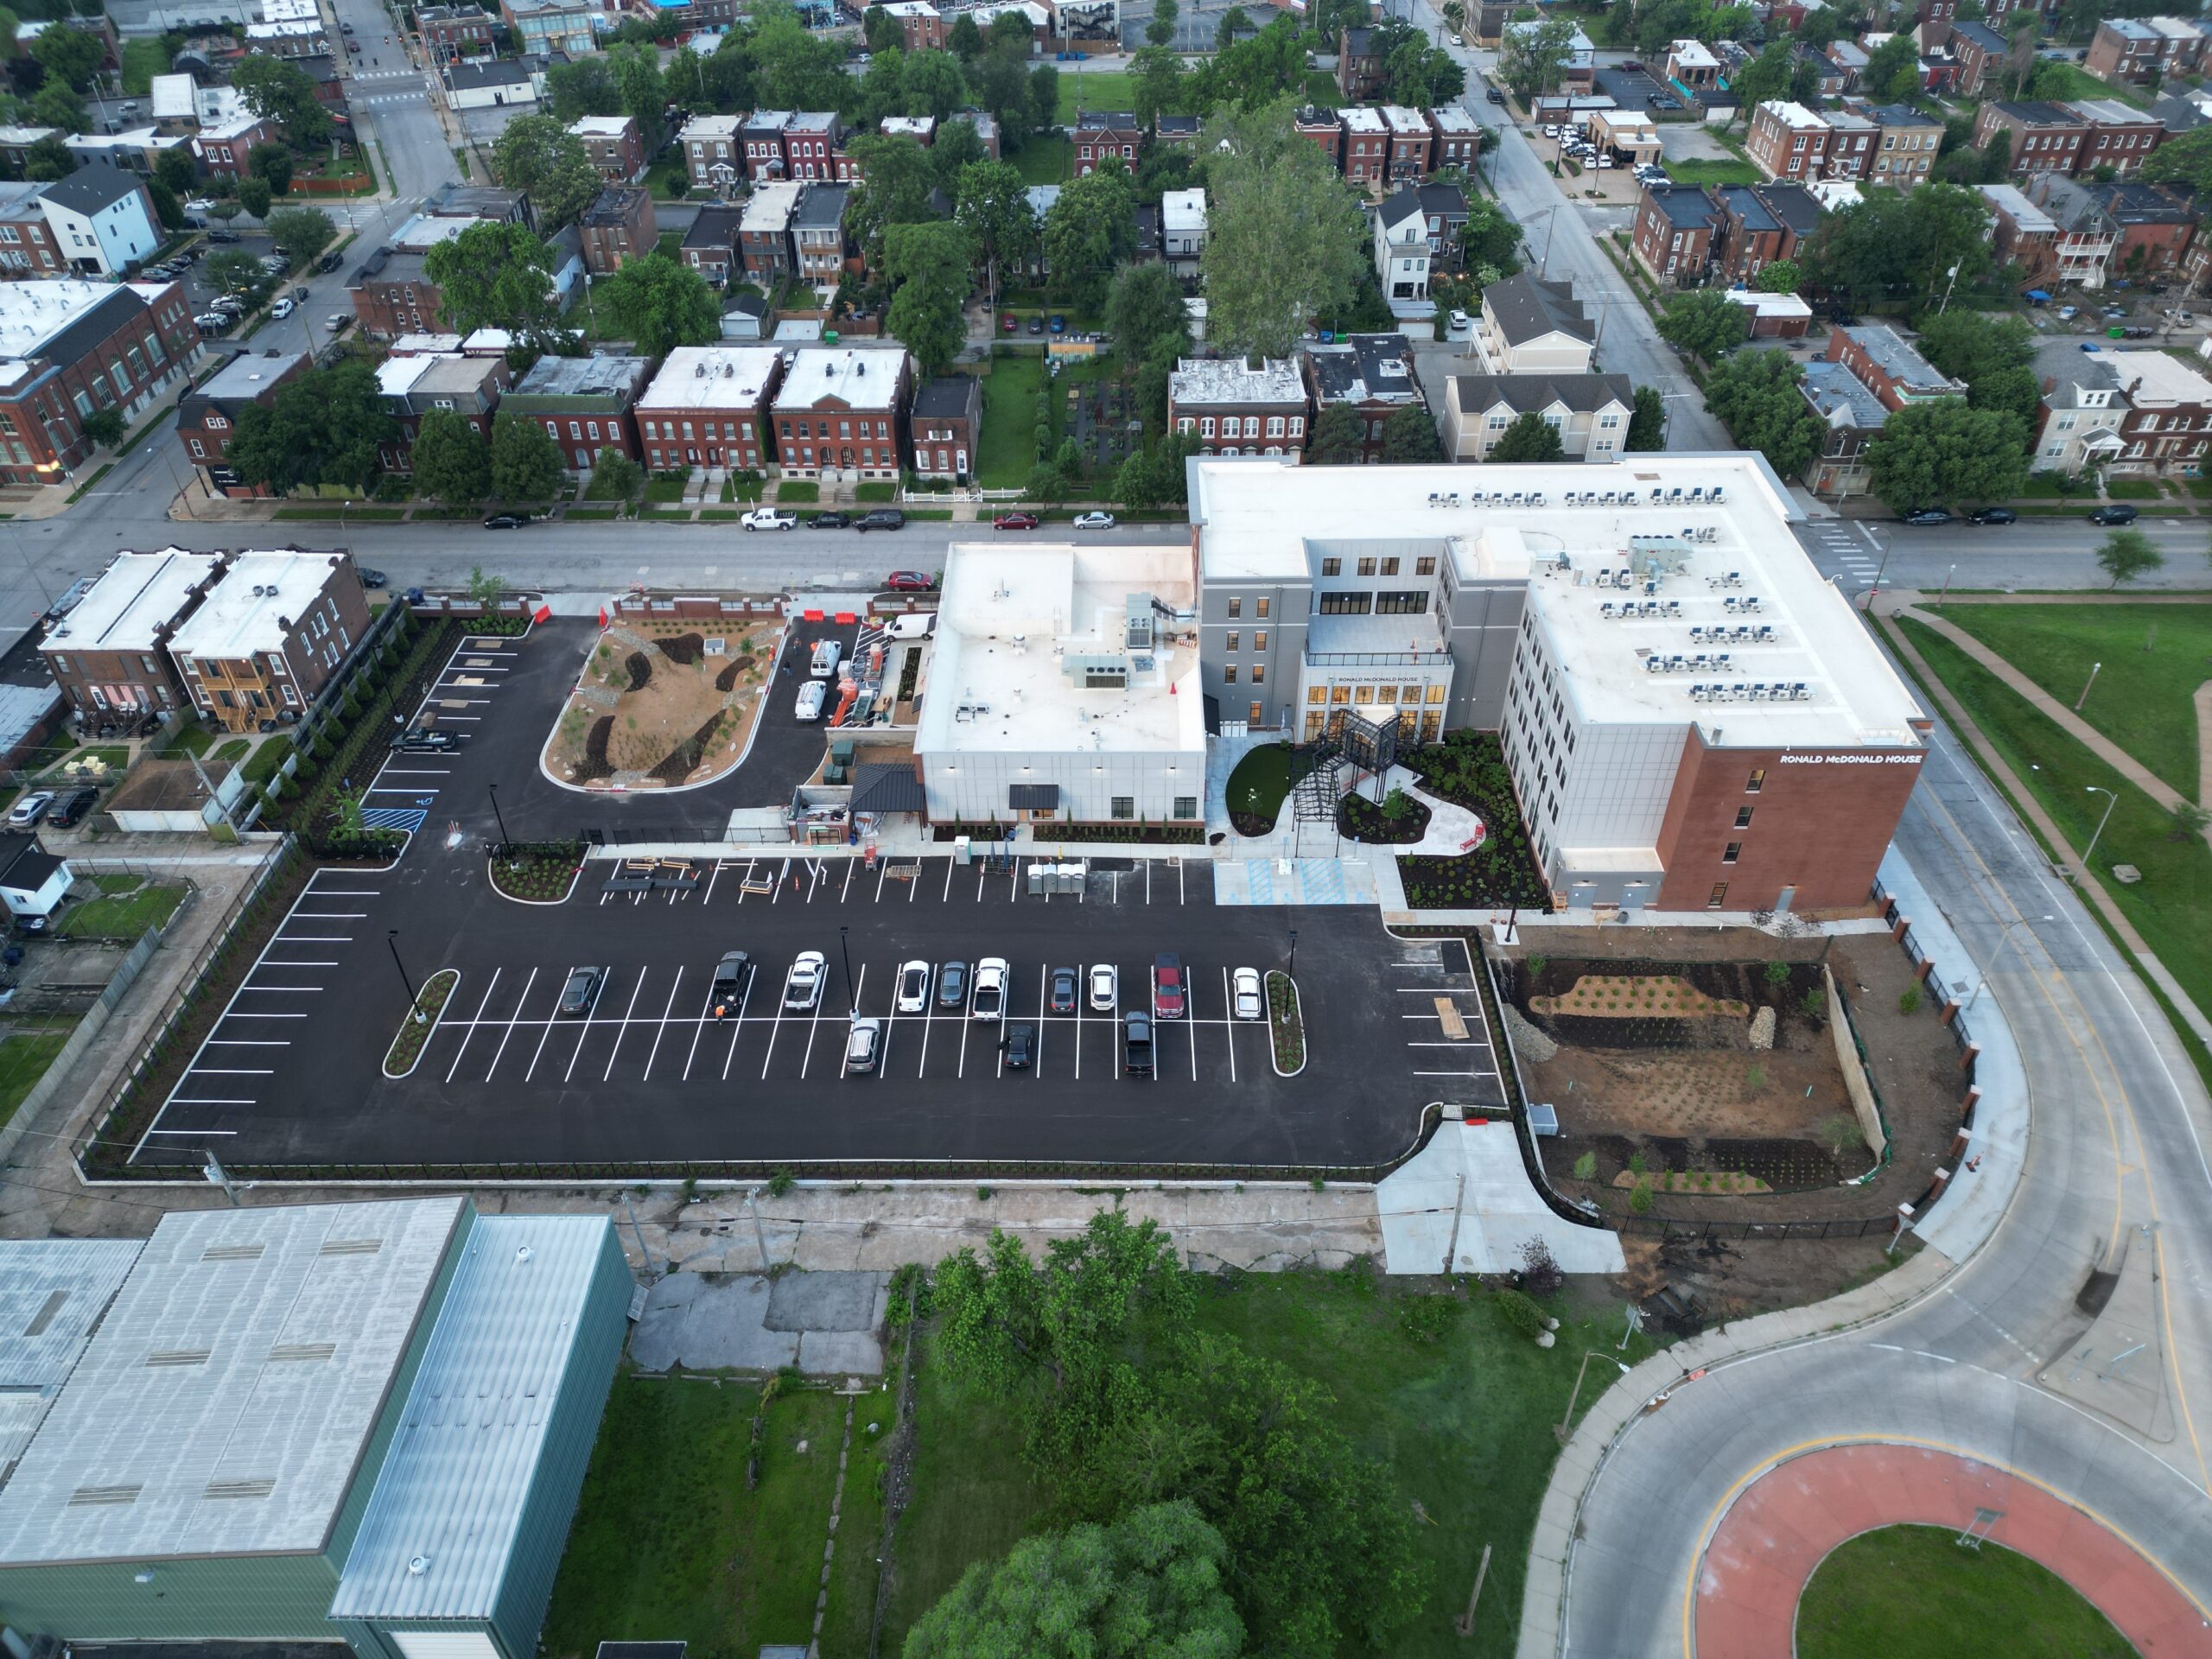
(2203, 700)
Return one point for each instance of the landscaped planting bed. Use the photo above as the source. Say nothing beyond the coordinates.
(1468, 769)
(651, 708)
(1399, 822)
(415, 1027)
(537, 872)
(1286, 1022)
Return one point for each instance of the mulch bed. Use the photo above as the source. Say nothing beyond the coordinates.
(684, 649)
(596, 765)
(681, 761)
(641, 670)
(1360, 819)
(727, 680)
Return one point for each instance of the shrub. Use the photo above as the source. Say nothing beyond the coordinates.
(1908, 1000)
(1754, 1079)
(780, 1183)
(1639, 1197)
(1585, 1167)
(1541, 1273)
(1637, 1163)
(1777, 973)
(1520, 1313)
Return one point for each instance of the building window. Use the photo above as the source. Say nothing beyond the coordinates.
(1125, 806)
(1229, 674)
(1346, 604)
(1235, 607)
(1332, 567)
(1436, 696)
(1260, 639)
(1367, 567)
(1425, 567)
(1756, 782)
(1186, 806)
(1731, 852)
(1718, 896)
(1260, 609)
(1362, 693)
(1230, 643)
(1411, 603)
(1743, 817)
(1259, 673)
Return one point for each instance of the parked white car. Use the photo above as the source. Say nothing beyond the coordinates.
(770, 518)
(1093, 521)
(811, 698)
(1105, 987)
(283, 309)
(913, 987)
(1244, 993)
(802, 985)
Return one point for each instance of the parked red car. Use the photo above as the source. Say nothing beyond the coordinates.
(908, 582)
(1016, 521)
(1011, 323)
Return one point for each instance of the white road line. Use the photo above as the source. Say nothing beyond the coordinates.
(946, 897)
(850, 864)
(200, 1100)
(738, 1029)
(882, 869)
(273, 989)
(248, 1042)
(346, 892)
(661, 1030)
(299, 964)
(929, 1017)
(814, 1026)
(698, 1029)
(231, 1071)
(509, 1032)
(583, 1033)
(623, 1030)
(775, 1030)
(492, 986)
(1229, 1003)
(1446, 1074)
(704, 902)
(313, 938)
(328, 915)
(234, 1015)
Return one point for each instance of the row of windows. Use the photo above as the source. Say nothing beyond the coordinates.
(1251, 426)
(1259, 640)
(1405, 601)
(844, 429)
(665, 430)
(1236, 606)
(1434, 695)
(714, 457)
(1375, 565)
(577, 429)
(1228, 673)
(1186, 806)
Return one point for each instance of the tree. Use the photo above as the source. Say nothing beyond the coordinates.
(495, 276)
(1410, 436)
(1779, 276)
(965, 40)
(2184, 159)
(927, 266)
(584, 86)
(1160, 83)
(1234, 22)
(1086, 233)
(1286, 240)
(452, 461)
(1533, 56)
(253, 196)
(1967, 345)
(324, 427)
(616, 477)
(539, 157)
(68, 55)
(279, 90)
(2128, 554)
(2015, 391)
(1155, 1582)
(1531, 438)
(1413, 70)
(104, 426)
(794, 67)
(58, 104)
(1160, 29)
(933, 84)
(167, 208)
(1492, 237)
(880, 31)
(896, 190)
(958, 147)
(1941, 452)
(1146, 306)
(1755, 395)
(1766, 76)
(233, 270)
(659, 303)
(1892, 68)
(1336, 439)
(300, 233)
(525, 463)
(272, 163)
(1705, 323)
(991, 203)
(1011, 36)
(1647, 423)
(175, 168)
(1891, 246)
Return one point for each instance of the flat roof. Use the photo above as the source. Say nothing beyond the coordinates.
(865, 377)
(225, 1403)
(1008, 617)
(711, 377)
(53, 1291)
(136, 595)
(241, 615)
(1203, 380)
(453, 1489)
(248, 375)
(2152, 379)
(32, 313)
(768, 209)
(601, 126)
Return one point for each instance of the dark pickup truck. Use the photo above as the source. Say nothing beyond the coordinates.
(1137, 1045)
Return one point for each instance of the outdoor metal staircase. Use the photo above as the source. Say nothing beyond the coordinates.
(1314, 800)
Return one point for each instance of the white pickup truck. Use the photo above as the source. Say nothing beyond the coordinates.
(769, 518)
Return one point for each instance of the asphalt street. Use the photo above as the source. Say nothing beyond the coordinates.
(2116, 1162)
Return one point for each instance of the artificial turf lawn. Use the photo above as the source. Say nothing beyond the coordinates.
(2142, 699)
(24, 1057)
(1260, 780)
(1912, 1592)
(120, 914)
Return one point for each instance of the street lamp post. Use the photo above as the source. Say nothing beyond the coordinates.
(1566, 1417)
(392, 938)
(1974, 995)
(852, 1000)
(2113, 800)
(1948, 575)
(505, 840)
(1888, 547)
(1292, 969)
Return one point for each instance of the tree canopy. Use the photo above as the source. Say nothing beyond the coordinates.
(1755, 395)
(495, 276)
(991, 201)
(539, 157)
(300, 233)
(2128, 554)
(452, 461)
(1286, 240)
(323, 427)
(279, 90)
(660, 304)
(1532, 58)
(1336, 439)
(1705, 323)
(1086, 234)
(927, 266)
(1946, 451)
(1531, 438)
(1893, 247)
(525, 462)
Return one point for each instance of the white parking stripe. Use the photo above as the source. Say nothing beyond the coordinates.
(471, 1031)
(623, 1030)
(510, 1031)
(662, 1029)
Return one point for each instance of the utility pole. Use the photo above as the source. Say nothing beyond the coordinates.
(1465, 1622)
(2093, 669)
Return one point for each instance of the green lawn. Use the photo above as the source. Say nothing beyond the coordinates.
(2080, 83)
(1465, 1422)
(1008, 448)
(1714, 172)
(2171, 905)
(231, 753)
(1094, 89)
(800, 490)
(1261, 780)
(24, 1056)
(1044, 159)
(669, 1545)
(1911, 1593)
(127, 907)
(113, 756)
(2154, 657)
(269, 754)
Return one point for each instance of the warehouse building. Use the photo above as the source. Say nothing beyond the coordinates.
(365, 1424)
(1692, 716)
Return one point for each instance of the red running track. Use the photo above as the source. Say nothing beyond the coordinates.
(1783, 1524)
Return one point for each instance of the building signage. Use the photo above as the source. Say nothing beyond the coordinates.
(1912, 759)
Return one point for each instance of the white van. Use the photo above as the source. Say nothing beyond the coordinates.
(914, 625)
(827, 655)
(812, 696)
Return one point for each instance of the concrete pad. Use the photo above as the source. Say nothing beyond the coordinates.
(1472, 1172)
(706, 1324)
(824, 1301)
(835, 1353)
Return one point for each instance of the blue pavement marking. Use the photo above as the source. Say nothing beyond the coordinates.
(394, 817)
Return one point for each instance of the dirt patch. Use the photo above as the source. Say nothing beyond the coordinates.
(1728, 1279)
(1626, 996)
(652, 713)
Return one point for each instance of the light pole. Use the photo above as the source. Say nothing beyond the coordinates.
(1566, 1417)
(852, 1000)
(505, 840)
(1292, 969)
(1974, 995)
(2113, 801)
(1948, 575)
(392, 938)
(1887, 548)
(2094, 669)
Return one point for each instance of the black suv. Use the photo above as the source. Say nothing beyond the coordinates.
(883, 518)
(727, 994)
(829, 521)
(72, 808)
(329, 262)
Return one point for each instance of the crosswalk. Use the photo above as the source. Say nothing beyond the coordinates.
(1849, 549)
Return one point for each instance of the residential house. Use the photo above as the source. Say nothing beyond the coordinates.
(1590, 412)
(207, 416)
(2128, 51)
(1444, 213)
(292, 37)
(567, 26)
(1827, 75)
(223, 148)
(615, 147)
(1852, 139)
(2168, 420)
(1692, 67)
(817, 230)
(1906, 146)
(920, 27)
(841, 412)
(2120, 136)
(710, 244)
(1183, 230)
(619, 227)
(987, 129)
(588, 405)
(1981, 52)
(1747, 237)
(393, 294)
(494, 202)
(1180, 130)
(33, 881)
(1359, 65)
(763, 240)
(103, 219)
(2189, 45)
(1672, 236)
(1772, 316)
(709, 144)
(450, 32)
(28, 247)
(811, 139)
(1401, 253)
(2086, 237)
(2044, 137)
(1456, 139)
(709, 406)
(760, 137)
(447, 382)
(745, 316)
(1101, 133)
(1580, 67)
(1371, 373)
(1850, 416)
(1798, 209)
(2077, 427)
(947, 427)
(2025, 235)
(2156, 225)
(1530, 326)
(1234, 408)
(1889, 366)
(2177, 112)
(1631, 135)
(1787, 140)
(922, 129)
(1850, 58)
(69, 347)
(17, 142)
(110, 654)
(489, 83)
(1410, 142)
(274, 630)
(1366, 146)
(1324, 129)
